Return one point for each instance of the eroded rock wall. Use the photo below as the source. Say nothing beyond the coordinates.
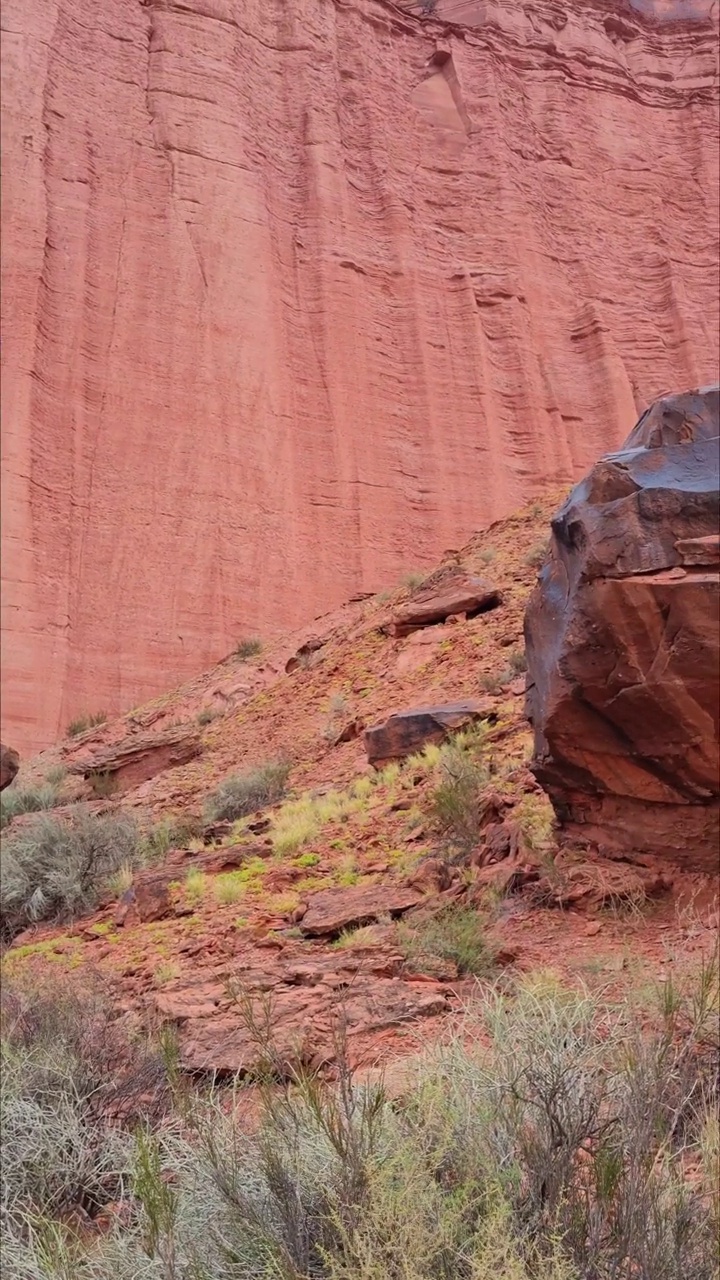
(297, 293)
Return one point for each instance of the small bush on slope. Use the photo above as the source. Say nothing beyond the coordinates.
(243, 793)
(58, 867)
(546, 1142)
(455, 803)
(456, 933)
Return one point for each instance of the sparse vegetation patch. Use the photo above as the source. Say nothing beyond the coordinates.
(244, 793)
(83, 723)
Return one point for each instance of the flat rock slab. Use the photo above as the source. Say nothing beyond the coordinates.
(140, 757)
(458, 593)
(288, 1008)
(332, 910)
(406, 732)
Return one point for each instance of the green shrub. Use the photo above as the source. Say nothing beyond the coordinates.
(249, 648)
(69, 1072)
(456, 933)
(455, 802)
(244, 793)
(29, 799)
(83, 723)
(59, 867)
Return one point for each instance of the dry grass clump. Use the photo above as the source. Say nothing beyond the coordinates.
(249, 648)
(83, 723)
(551, 1138)
(27, 799)
(243, 793)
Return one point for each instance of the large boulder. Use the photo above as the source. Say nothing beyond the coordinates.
(9, 765)
(622, 642)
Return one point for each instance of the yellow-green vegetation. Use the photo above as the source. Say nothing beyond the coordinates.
(61, 950)
(301, 820)
(365, 935)
(456, 933)
(231, 886)
(306, 860)
(347, 873)
(165, 973)
(311, 884)
(120, 882)
(17, 799)
(195, 884)
(281, 903)
(536, 819)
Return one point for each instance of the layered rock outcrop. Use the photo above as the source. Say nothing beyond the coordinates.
(623, 642)
(296, 295)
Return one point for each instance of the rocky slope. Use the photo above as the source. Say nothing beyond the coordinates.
(254, 911)
(297, 293)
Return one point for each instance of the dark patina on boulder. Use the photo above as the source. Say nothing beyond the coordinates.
(622, 640)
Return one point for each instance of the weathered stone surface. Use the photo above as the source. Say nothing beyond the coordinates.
(405, 732)
(283, 220)
(458, 593)
(142, 756)
(332, 910)
(623, 646)
(9, 765)
(309, 995)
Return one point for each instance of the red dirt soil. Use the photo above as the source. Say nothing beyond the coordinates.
(298, 294)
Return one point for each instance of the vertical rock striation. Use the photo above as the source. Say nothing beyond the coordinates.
(297, 293)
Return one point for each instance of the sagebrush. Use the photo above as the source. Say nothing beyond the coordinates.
(58, 867)
(551, 1139)
(244, 793)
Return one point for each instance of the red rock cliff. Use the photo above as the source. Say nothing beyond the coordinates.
(297, 293)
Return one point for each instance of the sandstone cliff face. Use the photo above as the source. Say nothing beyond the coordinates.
(298, 293)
